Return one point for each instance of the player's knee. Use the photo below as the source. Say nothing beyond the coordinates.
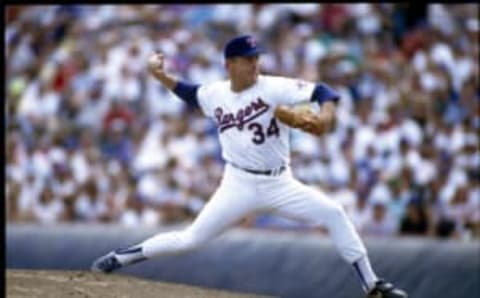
(190, 240)
(336, 210)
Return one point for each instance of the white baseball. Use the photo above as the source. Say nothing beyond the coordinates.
(154, 61)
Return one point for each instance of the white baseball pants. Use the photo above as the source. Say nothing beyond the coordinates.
(241, 193)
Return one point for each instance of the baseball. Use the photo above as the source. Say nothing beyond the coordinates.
(154, 61)
(303, 107)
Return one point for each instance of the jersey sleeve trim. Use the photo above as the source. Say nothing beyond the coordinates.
(187, 92)
(323, 93)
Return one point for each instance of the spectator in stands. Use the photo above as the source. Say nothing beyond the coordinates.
(49, 209)
(415, 221)
(90, 205)
(137, 213)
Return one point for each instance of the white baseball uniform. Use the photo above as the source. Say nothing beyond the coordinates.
(257, 175)
(253, 140)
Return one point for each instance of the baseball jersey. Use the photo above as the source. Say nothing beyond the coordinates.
(249, 134)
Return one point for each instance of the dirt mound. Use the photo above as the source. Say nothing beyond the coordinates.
(70, 284)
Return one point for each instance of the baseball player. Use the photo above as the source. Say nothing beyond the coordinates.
(254, 114)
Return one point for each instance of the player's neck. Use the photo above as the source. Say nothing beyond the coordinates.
(239, 86)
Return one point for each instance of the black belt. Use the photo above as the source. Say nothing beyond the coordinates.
(278, 171)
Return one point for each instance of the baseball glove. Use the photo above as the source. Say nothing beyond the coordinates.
(304, 119)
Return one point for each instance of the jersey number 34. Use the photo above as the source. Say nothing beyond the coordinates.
(259, 134)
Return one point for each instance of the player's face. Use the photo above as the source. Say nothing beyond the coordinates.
(244, 69)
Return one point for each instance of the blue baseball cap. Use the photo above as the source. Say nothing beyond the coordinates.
(245, 45)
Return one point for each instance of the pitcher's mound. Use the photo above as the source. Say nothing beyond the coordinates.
(69, 284)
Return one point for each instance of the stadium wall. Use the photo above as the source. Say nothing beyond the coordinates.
(281, 264)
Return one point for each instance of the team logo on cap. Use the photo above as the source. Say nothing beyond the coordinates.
(252, 42)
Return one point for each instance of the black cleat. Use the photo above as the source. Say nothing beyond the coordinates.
(106, 263)
(384, 289)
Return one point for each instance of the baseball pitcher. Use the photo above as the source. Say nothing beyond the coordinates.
(254, 114)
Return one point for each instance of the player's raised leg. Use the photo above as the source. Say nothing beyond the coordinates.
(295, 200)
(225, 208)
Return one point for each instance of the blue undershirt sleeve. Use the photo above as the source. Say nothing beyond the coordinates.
(323, 93)
(187, 92)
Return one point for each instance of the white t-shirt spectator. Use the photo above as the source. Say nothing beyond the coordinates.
(152, 153)
(364, 137)
(424, 172)
(147, 217)
(79, 166)
(360, 214)
(383, 226)
(29, 193)
(411, 131)
(39, 105)
(48, 213)
(89, 209)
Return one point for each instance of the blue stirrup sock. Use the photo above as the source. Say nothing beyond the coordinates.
(131, 255)
(365, 273)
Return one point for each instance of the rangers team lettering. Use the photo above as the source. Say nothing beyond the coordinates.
(242, 116)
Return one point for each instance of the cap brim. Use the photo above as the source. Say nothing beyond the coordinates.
(253, 52)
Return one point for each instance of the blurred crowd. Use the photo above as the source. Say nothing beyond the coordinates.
(91, 137)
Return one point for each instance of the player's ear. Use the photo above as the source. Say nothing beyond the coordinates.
(228, 62)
